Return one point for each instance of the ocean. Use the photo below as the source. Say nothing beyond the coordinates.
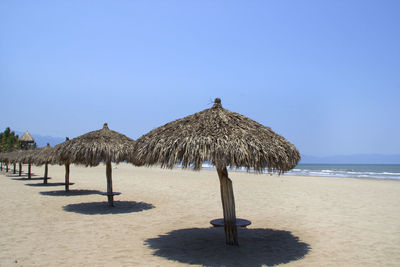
(372, 171)
(369, 171)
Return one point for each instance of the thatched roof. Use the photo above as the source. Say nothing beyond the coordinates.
(94, 147)
(223, 137)
(26, 137)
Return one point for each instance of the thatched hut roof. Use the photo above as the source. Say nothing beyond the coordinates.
(94, 147)
(26, 137)
(223, 137)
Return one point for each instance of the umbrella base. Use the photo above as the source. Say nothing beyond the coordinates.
(111, 194)
(110, 197)
(239, 222)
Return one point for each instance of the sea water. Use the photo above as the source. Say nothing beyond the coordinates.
(371, 171)
(376, 171)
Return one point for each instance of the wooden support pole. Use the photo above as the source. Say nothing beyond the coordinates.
(46, 170)
(29, 170)
(66, 177)
(7, 167)
(19, 169)
(1, 166)
(110, 195)
(228, 206)
(15, 168)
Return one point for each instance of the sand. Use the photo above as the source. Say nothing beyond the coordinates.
(162, 218)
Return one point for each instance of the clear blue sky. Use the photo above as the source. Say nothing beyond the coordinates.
(324, 74)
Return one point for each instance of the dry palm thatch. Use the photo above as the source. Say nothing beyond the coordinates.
(94, 147)
(218, 135)
(90, 149)
(226, 139)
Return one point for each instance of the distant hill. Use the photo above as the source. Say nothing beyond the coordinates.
(42, 141)
(352, 159)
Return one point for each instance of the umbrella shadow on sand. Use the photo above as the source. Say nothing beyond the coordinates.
(46, 185)
(12, 175)
(95, 208)
(206, 246)
(27, 179)
(64, 193)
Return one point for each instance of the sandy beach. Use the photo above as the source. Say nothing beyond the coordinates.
(162, 218)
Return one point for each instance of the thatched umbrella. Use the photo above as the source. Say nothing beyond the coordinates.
(1, 161)
(13, 161)
(53, 156)
(43, 158)
(17, 157)
(90, 149)
(226, 139)
(4, 159)
(28, 157)
(13, 158)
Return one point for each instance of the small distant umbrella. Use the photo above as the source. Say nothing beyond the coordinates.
(90, 149)
(43, 158)
(28, 157)
(224, 138)
(4, 158)
(1, 160)
(53, 157)
(13, 158)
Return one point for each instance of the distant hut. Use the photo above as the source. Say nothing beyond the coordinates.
(226, 139)
(25, 140)
(90, 149)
